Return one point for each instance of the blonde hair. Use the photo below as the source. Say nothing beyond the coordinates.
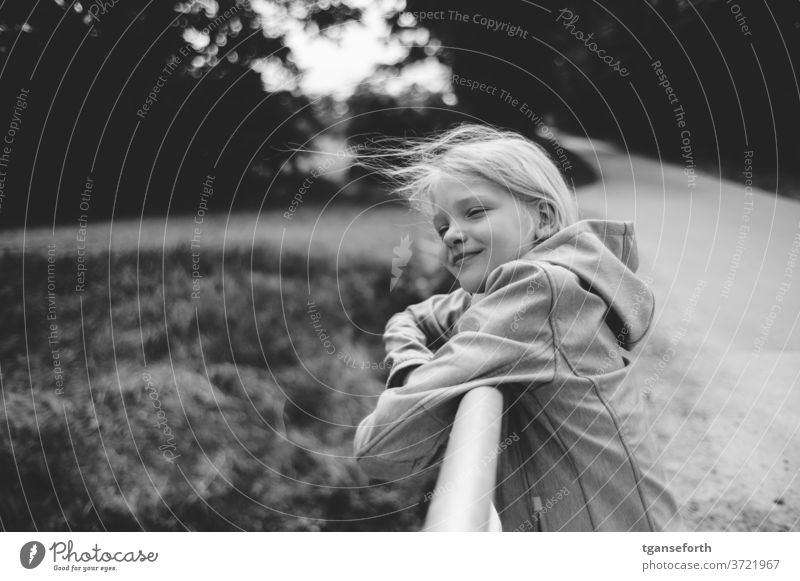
(504, 158)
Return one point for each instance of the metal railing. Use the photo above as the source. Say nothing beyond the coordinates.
(462, 499)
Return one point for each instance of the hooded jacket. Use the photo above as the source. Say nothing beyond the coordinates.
(553, 332)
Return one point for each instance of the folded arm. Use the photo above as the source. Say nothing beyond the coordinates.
(503, 338)
(409, 333)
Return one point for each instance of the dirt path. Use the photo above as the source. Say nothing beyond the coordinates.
(722, 365)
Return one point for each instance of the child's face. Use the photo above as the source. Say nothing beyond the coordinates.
(481, 226)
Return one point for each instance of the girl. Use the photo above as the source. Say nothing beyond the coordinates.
(548, 310)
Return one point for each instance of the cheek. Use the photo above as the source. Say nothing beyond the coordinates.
(525, 224)
(441, 252)
(511, 241)
(521, 230)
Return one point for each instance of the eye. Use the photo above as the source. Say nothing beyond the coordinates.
(476, 211)
(441, 230)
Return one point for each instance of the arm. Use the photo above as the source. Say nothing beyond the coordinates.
(411, 423)
(409, 333)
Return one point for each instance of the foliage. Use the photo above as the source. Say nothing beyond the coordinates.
(258, 417)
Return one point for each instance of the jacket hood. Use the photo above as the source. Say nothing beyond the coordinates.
(604, 255)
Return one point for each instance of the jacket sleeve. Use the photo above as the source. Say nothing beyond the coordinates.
(408, 333)
(505, 337)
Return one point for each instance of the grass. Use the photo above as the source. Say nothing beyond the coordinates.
(258, 414)
(225, 412)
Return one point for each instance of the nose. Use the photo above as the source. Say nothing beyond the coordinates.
(453, 235)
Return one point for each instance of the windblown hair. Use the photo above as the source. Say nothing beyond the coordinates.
(413, 167)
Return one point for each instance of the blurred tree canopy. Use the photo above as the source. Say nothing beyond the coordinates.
(732, 66)
(119, 95)
(149, 98)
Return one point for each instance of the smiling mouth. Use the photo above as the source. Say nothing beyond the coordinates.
(463, 257)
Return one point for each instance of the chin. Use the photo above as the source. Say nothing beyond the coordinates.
(471, 285)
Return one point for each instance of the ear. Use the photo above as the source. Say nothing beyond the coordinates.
(546, 225)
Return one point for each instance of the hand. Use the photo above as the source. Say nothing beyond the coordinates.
(432, 320)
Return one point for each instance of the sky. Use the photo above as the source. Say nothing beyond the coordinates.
(333, 64)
